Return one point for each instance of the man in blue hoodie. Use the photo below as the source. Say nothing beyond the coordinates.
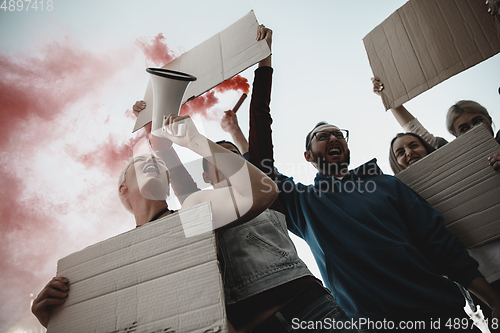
(382, 250)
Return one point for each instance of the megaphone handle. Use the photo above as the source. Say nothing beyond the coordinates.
(181, 128)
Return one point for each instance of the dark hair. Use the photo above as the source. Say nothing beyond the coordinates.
(205, 162)
(396, 168)
(308, 137)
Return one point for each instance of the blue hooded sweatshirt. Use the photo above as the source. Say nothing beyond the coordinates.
(382, 250)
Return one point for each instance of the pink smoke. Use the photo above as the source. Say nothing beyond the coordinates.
(203, 103)
(235, 83)
(38, 91)
(110, 156)
(157, 52)
(34, 92)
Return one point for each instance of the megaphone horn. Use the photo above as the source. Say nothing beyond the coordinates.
(169, 88)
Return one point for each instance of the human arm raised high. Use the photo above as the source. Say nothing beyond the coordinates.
(249, 190)
(182, 182)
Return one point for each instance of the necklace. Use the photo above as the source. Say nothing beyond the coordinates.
(163, 211)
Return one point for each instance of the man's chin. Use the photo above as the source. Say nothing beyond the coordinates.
(334, 166)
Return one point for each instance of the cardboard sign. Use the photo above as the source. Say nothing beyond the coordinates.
(155, 278)
(428, 41)
(459, 182)
(219, 58)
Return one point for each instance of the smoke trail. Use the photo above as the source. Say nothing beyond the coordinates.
(203, 103)
(24, 245)
(110, 156)
(157, 52)
(236, 83)
(35, 92)
(47, 100)
(200, 105)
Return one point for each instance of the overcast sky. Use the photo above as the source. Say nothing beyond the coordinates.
(69, 75)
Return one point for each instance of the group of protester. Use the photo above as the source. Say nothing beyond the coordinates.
(416, 143)
(386, 259)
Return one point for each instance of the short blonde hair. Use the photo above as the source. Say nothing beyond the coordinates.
(121, 180)
(460, 107)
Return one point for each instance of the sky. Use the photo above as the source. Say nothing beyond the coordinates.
(70, 75)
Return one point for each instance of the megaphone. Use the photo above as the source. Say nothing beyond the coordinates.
(168, 91)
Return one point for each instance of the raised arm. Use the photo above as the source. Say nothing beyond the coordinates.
(229, 123)
(266, 34)
(182, 182)
(402, 115)
(260, 136)
(250, 191)
(407, 121)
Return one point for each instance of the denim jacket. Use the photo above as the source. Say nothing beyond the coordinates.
(258, 255)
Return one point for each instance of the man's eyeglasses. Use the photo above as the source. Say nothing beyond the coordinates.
(340, 134)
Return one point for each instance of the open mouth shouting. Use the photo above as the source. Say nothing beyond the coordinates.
(334, 151)
(151, 168)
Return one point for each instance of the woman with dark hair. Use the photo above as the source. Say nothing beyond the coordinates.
(460, 117)
(406, 149)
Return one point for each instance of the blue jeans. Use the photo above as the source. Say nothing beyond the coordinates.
(321, 315)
